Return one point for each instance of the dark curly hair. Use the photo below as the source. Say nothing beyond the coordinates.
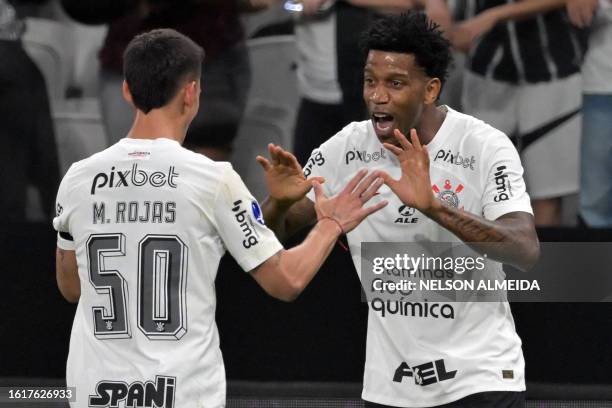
(411, 33)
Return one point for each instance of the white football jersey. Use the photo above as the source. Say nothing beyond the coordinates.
(149, 221)
(416, 358)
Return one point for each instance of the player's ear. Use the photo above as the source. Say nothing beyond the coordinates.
(191, 95)
(432, 90)
(127, 95)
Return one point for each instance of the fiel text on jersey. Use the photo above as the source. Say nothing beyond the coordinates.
(134, 177)
(424, 374)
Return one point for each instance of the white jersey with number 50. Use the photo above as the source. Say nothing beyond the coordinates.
(149, 221)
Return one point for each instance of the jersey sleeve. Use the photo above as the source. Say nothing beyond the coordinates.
(61, 221)
(322, 164)
(504, 187)
(240, 223)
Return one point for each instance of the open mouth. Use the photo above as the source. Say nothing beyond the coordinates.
(384, 124)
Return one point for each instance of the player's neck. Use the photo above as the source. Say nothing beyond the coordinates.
(157, 124)
(431, 121)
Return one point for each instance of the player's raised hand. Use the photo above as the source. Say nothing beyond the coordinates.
(347, 207)
(284, 176)
(414, 185)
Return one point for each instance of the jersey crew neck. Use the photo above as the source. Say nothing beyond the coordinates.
(445, 129)
(139, 141)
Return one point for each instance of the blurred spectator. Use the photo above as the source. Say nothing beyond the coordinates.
(523, 77)
(596, 147)
(213, 24)
(29, 153)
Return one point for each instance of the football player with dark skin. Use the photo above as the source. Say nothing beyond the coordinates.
(401, 96)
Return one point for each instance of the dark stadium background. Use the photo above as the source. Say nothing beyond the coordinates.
(320, 337)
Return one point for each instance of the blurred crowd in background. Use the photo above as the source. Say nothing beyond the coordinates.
(290, 72)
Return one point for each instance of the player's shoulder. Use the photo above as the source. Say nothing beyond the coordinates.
(200, 163)
(478, 132)
(85, 166)
(353, 130)
(353, 133)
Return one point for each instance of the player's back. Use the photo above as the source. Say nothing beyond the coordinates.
(141, 215)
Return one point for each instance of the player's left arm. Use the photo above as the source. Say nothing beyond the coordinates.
(66, 269)
(514, 233)
(510, 238)
(67, 274)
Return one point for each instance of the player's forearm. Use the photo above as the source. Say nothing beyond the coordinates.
(301, 263)
(286, 274)
(523, 9)
(513, 242)
(285, 219)
(275, 216)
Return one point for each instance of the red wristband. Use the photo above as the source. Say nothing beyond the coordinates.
(334, 220)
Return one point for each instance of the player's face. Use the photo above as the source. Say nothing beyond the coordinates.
(394, 89)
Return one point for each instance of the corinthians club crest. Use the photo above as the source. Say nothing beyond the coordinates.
(448, 194)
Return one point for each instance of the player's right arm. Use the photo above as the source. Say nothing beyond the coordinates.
(285, 273)
(287, 209)
(288, 272)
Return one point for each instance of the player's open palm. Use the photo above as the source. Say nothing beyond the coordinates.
(284, 176)
(414, 186)
(348, 206)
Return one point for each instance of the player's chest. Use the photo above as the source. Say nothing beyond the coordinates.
(453, 178)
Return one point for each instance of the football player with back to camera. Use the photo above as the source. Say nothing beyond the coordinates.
(141, 228)
(462, 180)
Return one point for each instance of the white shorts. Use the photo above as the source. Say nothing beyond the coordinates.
(547, 121)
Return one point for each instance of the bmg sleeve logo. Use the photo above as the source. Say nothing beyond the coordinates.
(246, 223)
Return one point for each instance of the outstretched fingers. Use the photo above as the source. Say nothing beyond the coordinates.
(388, 180)
(365, 212)
(416, 143)
(393, 149)
(354, 181)
(365, 184)
(265, 163)
(403, 141)
(372, 189)
(317, 179)
(288, 159)
(318, 190)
